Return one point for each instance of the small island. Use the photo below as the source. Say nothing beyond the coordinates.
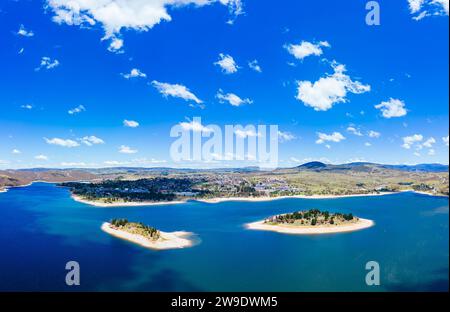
(147, 236)
(312, 221)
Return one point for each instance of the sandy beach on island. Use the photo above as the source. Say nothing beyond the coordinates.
(172, 240)
(309, 230)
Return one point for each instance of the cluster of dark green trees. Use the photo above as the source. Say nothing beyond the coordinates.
(137, 227)
(119, 222)
(311, 215)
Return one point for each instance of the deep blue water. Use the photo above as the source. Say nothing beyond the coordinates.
(42, 228)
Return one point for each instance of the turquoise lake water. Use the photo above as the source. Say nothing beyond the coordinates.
(42, 229)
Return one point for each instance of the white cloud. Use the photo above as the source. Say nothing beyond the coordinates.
(25, 33)
(368, 144)
(446, 140)
(47, 63)
(327, 91)
(424, 8)
(227, 63)
(392, 108)
(255, 66)
(431, 152)
(334, 137)
(130, 123)
(354, 131)
(429, 143)
(77, 110)
(374, 134)
(115, 15)
(176, 90)
(127, 150)
(134, 73)
(62, 142)
(41, 157)
(409, 141)
(91, 140)
(195, 126)
(16, 151)
(232, 99)
(246, 133)
(305, 48)
(285, 136)
(116, 45)
(27, 106)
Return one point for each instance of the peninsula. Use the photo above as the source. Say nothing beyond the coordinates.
(312, 221)
(147, 236)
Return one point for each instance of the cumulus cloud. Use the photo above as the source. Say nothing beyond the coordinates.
(392, 108)
(77, 110)
(195, 126)
(425, 8)
(329, 90)
(16, 151)
(255, 66)
(116, 45)
(334, 137)
(242, 133)
(62, 142)
(354, 131)
(91, 140)
(127, 150)
(27, 106)
(368, 144)
(374, 134)
(134, 73)
(429, 143)
(41, 157)
(115, 15)
(227, 63)
(232, 99)
(25, 33)
(130, 123)
(47, 63)
(285, 136)
(445, 140)
(409, 141)
(176, 90)
(305, 48)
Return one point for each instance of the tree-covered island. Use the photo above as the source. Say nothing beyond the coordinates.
(137, 228)
(311, 221)
(147, 236)
(312, 217)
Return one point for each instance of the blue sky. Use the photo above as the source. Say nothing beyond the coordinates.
(338, 89)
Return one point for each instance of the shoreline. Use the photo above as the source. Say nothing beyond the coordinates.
(122, 204)
(309, 230)
(172, 240)
(267, 198)
(240, 199)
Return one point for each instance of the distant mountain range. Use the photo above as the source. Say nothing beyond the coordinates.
(366, 166)
(314, 165)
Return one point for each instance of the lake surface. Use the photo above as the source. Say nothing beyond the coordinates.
(42, 228)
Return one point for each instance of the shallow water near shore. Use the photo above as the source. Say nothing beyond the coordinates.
(42, 228)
